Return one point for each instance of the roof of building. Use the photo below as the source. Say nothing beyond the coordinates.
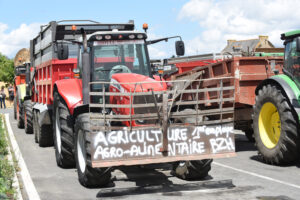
(247, 45)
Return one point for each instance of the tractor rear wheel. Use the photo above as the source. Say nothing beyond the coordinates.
(195, 169)
(63, 133)
(88, 176)
(275, 126)
(28, 117)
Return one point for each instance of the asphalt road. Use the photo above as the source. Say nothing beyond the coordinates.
(241, 177)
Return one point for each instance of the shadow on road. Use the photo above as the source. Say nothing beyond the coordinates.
(149, 179)
(260, 159)
(242, 144)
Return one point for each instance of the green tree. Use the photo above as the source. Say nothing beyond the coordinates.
(6, 69)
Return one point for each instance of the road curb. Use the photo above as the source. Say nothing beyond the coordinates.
(30, 189)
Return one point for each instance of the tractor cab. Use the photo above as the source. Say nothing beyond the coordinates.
(118, 52)
(292, 55)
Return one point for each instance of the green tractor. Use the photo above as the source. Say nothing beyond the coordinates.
(277, 108)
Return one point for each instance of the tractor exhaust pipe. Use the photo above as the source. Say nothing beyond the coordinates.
(85, 70)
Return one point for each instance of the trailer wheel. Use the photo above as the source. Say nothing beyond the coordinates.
(63, 133)
(195, 169)
(28, 116)
(275, 126)
(15, 108)
(35, 127)
(88, 176)
(44, 133)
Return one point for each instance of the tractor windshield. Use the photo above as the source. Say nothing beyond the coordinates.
(126, 56)
(292, 60)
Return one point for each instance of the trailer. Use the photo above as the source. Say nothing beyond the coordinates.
(95, 98)
(248, 72)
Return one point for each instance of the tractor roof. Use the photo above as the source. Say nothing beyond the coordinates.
(116, 32)
(290, 34)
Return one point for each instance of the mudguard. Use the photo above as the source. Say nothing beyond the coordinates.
(21, 90)
(289, 88)
(45, 114)
(71, 91)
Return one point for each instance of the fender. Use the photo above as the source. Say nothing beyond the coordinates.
(289, 88)
(71, 91)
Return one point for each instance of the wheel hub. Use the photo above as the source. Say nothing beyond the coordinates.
(269, 125)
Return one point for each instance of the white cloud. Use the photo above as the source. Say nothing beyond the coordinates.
(156, 53)
(235, 19)
(14, 40)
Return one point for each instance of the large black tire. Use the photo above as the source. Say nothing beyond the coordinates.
(191, 170)
(88, 176)
(44, 133)
(250, 135)
(20, 114)
(63, 133)
(276, 139)
(28, 116)
(35, 126)
(196, 169)
(15, 108)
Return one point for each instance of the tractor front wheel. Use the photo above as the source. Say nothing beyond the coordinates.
(88, 176)
(190, 170)
(195, 169)
(275, 126)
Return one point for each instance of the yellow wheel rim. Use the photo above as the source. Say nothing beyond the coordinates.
(269, 125)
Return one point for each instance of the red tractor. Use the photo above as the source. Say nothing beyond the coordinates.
(95, 97)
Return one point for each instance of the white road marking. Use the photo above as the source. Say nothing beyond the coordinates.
(28, 183)
(257, 175)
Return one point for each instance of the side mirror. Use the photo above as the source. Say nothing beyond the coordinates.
(298, 44)
(62, 51)
(179, 45)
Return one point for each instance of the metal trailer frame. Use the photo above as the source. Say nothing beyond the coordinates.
(212, 128)
(248, 72)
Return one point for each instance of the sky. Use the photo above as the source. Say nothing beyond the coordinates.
(204, 25)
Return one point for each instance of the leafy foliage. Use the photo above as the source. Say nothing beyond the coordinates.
(7, 190)
(6, 69)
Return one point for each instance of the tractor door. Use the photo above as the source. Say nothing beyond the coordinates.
(292, 60)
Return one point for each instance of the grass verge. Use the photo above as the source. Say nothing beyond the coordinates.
(7, 190)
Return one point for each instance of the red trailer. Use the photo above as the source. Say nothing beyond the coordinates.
(248, 72)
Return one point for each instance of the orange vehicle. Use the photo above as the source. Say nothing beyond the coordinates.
(21, 63)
